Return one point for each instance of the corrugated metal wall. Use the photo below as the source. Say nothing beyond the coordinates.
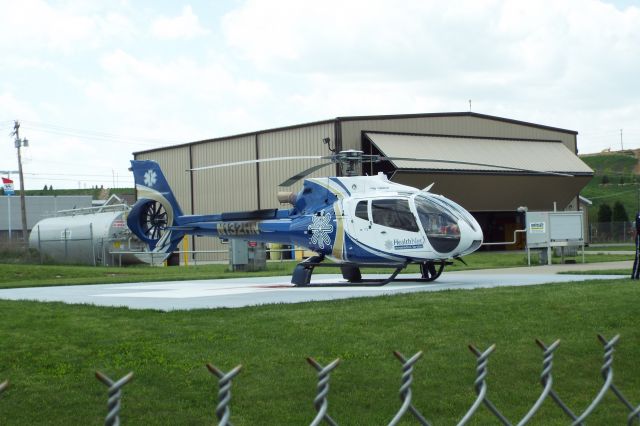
(286, 143)
(224, 189)
(38, 207)
(452, 125)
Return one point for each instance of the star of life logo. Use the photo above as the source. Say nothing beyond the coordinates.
(320, 229)
(150, 178)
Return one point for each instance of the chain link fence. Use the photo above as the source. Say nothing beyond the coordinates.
(408, 406)
(612, 232)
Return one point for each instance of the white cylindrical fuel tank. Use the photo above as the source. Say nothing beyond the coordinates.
(86, 236)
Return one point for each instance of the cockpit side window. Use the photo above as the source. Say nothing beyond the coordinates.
(394, 213)
(361, 210)
(440, 226)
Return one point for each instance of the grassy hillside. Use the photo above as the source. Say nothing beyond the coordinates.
(623, 183)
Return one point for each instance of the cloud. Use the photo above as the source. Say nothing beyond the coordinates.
(571, 64)
(184, 27)
(476, 42)
(31, 25)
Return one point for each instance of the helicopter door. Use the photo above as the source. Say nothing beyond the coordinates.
(360, 222)
(391, 226)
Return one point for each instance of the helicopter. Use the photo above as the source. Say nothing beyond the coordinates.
(354, 221)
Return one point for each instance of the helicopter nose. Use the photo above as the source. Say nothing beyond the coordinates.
(473, 239)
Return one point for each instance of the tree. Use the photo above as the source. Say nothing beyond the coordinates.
(604, 213)
(50, 187)
(45, 188)
(619, 212)
(605, 179)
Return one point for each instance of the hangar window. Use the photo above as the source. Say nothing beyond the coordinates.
(361, 210)
(394, 213)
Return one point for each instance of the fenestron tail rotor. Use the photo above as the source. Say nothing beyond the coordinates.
(153, 220)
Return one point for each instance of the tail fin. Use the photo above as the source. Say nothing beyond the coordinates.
(156, 211)
(150, 183)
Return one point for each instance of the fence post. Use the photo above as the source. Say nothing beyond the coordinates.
(224, 393)
(40, 246)
(66, 250)
(115, 393)
(93, 247)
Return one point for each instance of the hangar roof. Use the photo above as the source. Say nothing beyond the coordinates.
(535, 155)
(369, 117)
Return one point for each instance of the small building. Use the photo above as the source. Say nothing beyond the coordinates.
(38, 207)
(494, 192)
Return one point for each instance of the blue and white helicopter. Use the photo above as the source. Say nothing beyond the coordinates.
(355, 221)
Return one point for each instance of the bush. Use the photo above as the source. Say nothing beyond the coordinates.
(619, 212)
(604, 213)
(16, 253)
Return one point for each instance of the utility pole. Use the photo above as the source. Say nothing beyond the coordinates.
(621, 146)
(19, 143)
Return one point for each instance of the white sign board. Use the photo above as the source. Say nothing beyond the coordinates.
(566, 226)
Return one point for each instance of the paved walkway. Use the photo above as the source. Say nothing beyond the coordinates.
(555, 269)
(239, 292)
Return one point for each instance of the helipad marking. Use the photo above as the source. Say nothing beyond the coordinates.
(185, 290)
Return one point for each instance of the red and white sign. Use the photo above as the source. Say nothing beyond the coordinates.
(7, 185)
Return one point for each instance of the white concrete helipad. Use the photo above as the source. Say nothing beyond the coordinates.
(232, 293)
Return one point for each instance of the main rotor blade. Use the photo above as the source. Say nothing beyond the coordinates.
(468, 163)
(261, 160)
(293, 179)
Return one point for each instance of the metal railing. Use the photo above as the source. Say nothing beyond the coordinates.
(159, 258)
(407, 406)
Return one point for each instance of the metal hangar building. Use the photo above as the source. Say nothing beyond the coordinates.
(493, 195)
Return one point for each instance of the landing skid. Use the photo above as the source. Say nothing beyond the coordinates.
(430, 271)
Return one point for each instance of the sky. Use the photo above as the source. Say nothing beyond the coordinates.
(93, 81)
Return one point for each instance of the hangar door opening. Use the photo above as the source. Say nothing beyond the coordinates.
(501, 227)
(512, 175)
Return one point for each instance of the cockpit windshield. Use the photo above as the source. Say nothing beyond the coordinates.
(440, 225)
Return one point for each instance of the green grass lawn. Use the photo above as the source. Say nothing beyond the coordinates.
(605, 248)
(51, 350)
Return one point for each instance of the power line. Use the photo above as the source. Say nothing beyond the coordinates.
(95, 132)
(90, 134)
(70, 174)
(78, 179)
(64, 163)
